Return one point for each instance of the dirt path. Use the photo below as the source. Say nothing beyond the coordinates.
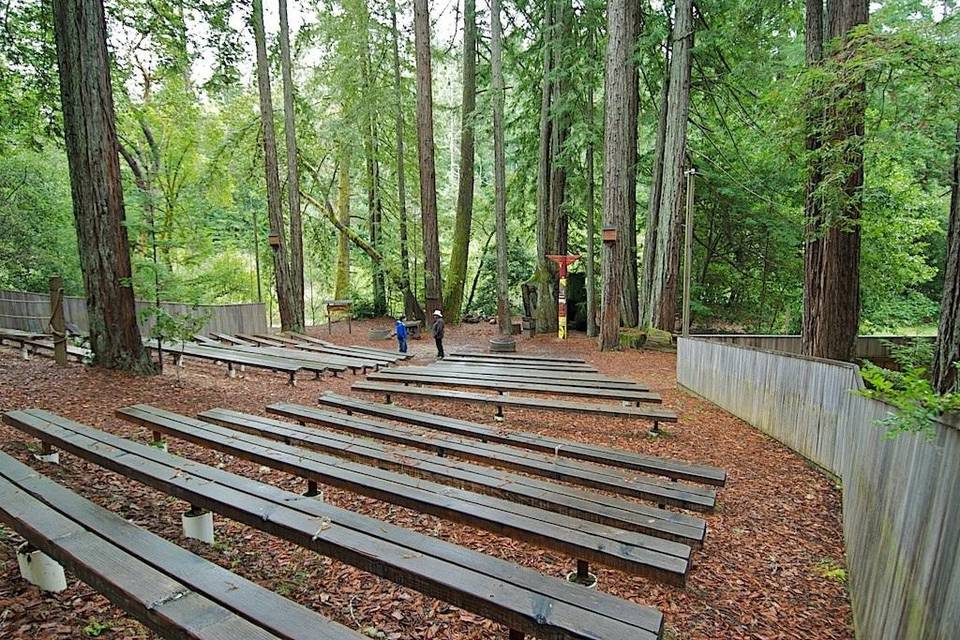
(768, 568)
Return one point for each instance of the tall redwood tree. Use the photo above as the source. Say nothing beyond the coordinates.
(90, 136)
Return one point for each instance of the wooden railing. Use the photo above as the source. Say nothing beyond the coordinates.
(901, 497)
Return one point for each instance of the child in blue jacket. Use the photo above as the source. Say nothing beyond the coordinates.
(400, 330)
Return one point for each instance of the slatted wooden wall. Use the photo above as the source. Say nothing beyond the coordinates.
(31, 312)
(901, 498)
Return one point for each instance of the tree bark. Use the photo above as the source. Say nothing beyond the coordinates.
(457, 270)
(948, 335)
(371, 150)
(591, 213)
(341, 288)
(432, 284)
(616, 153)
(653, 207)
(411, 307)
(666, 262)
(90, 137)
(831, 310)
(546, 311)
(288, 317)
(504, 324)
(629, 302)
(293, 176)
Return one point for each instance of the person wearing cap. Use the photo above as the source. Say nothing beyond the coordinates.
(438, 332)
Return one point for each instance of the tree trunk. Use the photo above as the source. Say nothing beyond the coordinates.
(948, 335)
(411, 307)
(653, 207)
(546, 311)
(629, 303)
(591, 214)
(288, 317)
(293, 176)
(616, 153)
(371, 150)
(499, 172)
(90, 137)
(666, 262)
(341, 288)
(831, 311)
(457, 271)
(425, 146)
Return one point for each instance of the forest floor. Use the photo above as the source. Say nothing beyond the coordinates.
(771, 566)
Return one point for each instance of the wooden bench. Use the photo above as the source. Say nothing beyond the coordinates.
(263, 342)
(517, 357)
(231, 358)
(502, 386)
(340, 352)
(517, 364)
(634, 553)
(29, 346)
(353, 350)
(229, 339)
(335, 363)
(579, 473)
(522, 489)
(504, 400)
(173, 592)
(588, 380)
(205, 341)
(524, 600)
(274, 337)
(535, 442)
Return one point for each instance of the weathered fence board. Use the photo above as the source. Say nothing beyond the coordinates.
(875, 348)
(31, 312)
(901, 498)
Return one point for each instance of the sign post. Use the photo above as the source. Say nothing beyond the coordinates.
(562, 263)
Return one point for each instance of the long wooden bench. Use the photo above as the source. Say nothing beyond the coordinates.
(521, 357)
(336, 363)
(346, 353)
(173, 592)
(226, 338)
(521, 599)
(522, 489)
(500, 401)
(635, 553)
(231, 358)
(588, 380)
(557, 367)
(501, 386)
(273, 337)
(524, 440)
(255, 339)
(391, 356)
(30, 346)
(565, 470)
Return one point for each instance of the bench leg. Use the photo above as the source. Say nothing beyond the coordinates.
(25, 352)
(293, 379)
(656, 428)
(499, 416)
(231, 371)
(48, 454)
(387, 399)
(312, 490)
(158, 441)
(198, 524)
(40, 570)
(582, 575)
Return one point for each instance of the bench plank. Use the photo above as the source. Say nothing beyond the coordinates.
(500, 401)
(516, 356)
(440, 380)
(589, 380)
(557, 446)
(632, 552)
(585, 505)
(262, 607)
(554, 468)
(517, 597)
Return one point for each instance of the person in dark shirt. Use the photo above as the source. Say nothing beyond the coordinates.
(438, 332)
(400, 330)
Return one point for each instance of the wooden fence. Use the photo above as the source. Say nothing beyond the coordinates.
(31, 312)
(901, 497)
(873, 348)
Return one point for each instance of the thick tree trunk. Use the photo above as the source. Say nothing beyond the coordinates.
(90, 137)
(653, 207)
(371, 149)
(616, 153)
(546, 310)
(285, 297)
(432, 285)
(341, 287)
(948, 335)
(499, 172)
(457, 271)
(591, 217)
(411, 307)
(629, 302)
(293, 176)
(666, 263)
(831, 310)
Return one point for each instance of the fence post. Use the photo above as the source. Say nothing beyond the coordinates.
(58, 326)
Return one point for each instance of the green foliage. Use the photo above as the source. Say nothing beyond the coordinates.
(95, 628)
(908, 390)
